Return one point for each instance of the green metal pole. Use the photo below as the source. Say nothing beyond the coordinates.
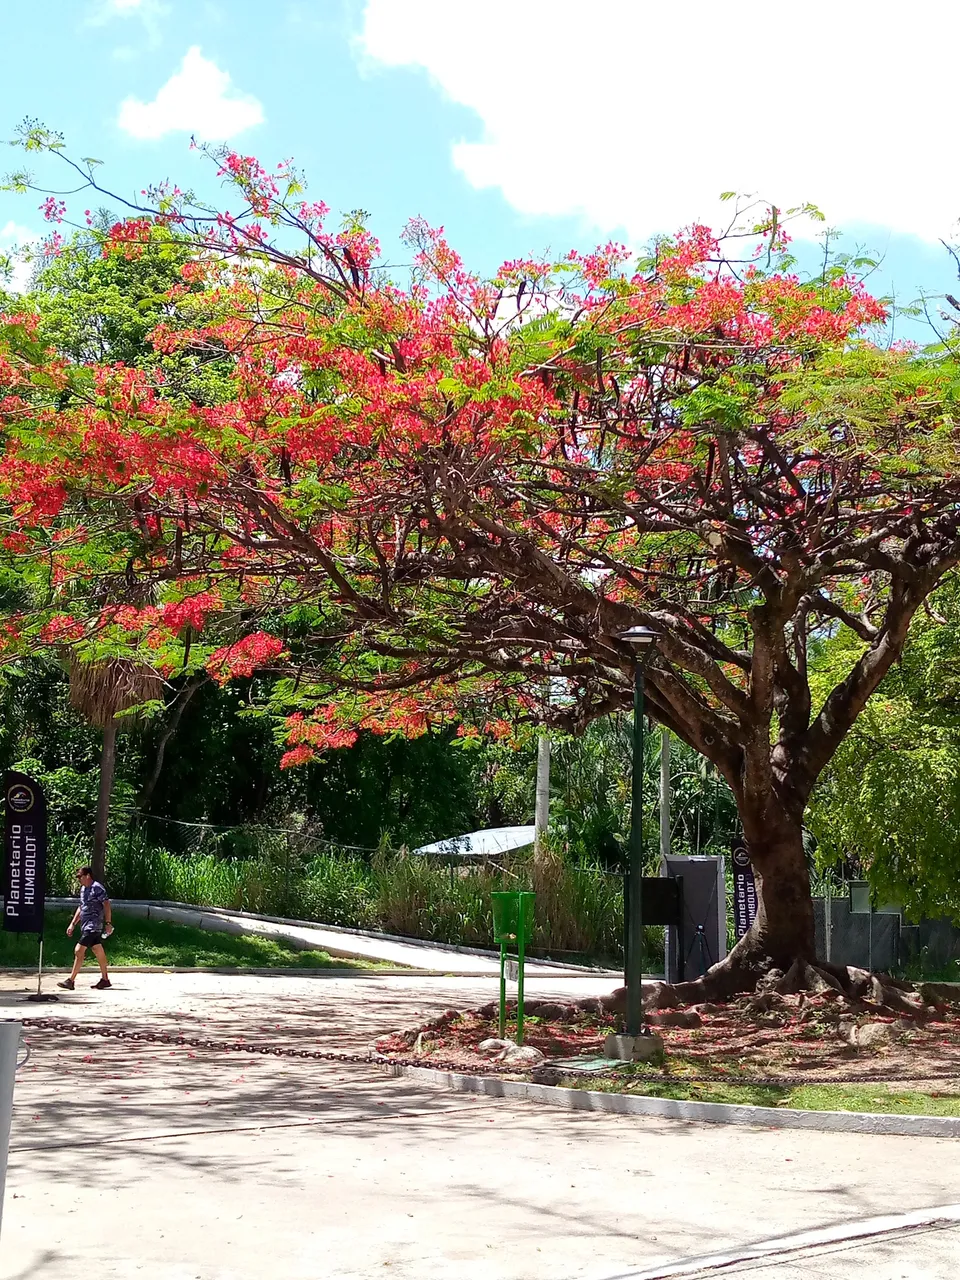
(521, 941)
(503, 989)
(633, 969)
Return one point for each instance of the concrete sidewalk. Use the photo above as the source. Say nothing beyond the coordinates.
(152, 1162)
(165, 1163)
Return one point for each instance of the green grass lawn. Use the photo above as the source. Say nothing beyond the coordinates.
(812, 1097)
(155, 942)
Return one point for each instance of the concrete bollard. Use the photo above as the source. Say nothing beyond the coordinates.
(9, 1043)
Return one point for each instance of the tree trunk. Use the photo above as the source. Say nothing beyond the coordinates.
(108, 761)
(783, 932)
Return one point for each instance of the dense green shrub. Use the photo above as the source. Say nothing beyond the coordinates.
(579, 910)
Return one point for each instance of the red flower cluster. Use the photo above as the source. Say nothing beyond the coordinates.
(191, 612)
(62, 628)
(245, 657)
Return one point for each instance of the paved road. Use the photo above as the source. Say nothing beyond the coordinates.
(146, 1161)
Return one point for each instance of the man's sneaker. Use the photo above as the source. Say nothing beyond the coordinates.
(67, 983)
(101, 985)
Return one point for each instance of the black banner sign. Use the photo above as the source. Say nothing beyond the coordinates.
(24, 854)
(744, 891)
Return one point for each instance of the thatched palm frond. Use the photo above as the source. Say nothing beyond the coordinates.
(100, 691)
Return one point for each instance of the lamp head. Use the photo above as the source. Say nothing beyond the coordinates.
(641, 638)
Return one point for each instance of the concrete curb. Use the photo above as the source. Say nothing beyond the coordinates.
(631, 1104)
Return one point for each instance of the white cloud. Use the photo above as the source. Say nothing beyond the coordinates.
(107, 10)
(637, 114)
(14, 241)
(149, 12)
(196, 99)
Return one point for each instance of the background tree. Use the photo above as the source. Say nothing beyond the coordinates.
(434, 504)
(105, 693)
(886, 808)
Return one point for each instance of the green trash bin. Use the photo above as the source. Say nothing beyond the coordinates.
(512, 923)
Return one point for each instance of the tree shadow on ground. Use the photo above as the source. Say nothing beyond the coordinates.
(226, 1123)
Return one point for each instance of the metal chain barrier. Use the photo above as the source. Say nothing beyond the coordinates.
(437, 1064)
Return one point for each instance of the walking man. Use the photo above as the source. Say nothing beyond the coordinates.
(93, 916)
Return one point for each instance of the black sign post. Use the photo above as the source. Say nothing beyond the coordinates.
(25, 862)
(744, 891)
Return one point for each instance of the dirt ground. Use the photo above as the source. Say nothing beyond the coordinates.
(804, 1038)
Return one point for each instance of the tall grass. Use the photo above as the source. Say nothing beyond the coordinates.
(578, 912)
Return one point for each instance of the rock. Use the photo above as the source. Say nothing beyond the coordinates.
(876, 1034)
(494, 1048)
(521, 1055)
(510, 1053)
(686, 1018)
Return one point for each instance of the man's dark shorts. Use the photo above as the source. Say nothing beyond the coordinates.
(91, 940)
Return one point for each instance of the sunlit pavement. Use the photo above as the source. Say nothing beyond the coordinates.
(145, 1160)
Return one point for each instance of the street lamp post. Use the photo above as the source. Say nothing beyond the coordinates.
(643, 642)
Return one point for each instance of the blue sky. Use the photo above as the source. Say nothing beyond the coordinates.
(520, 125)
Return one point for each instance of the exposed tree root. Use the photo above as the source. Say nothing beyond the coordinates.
(856, 989)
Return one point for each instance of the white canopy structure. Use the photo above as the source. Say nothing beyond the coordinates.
(481, 844)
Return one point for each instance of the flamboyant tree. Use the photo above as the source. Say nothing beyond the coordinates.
(447, 501)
